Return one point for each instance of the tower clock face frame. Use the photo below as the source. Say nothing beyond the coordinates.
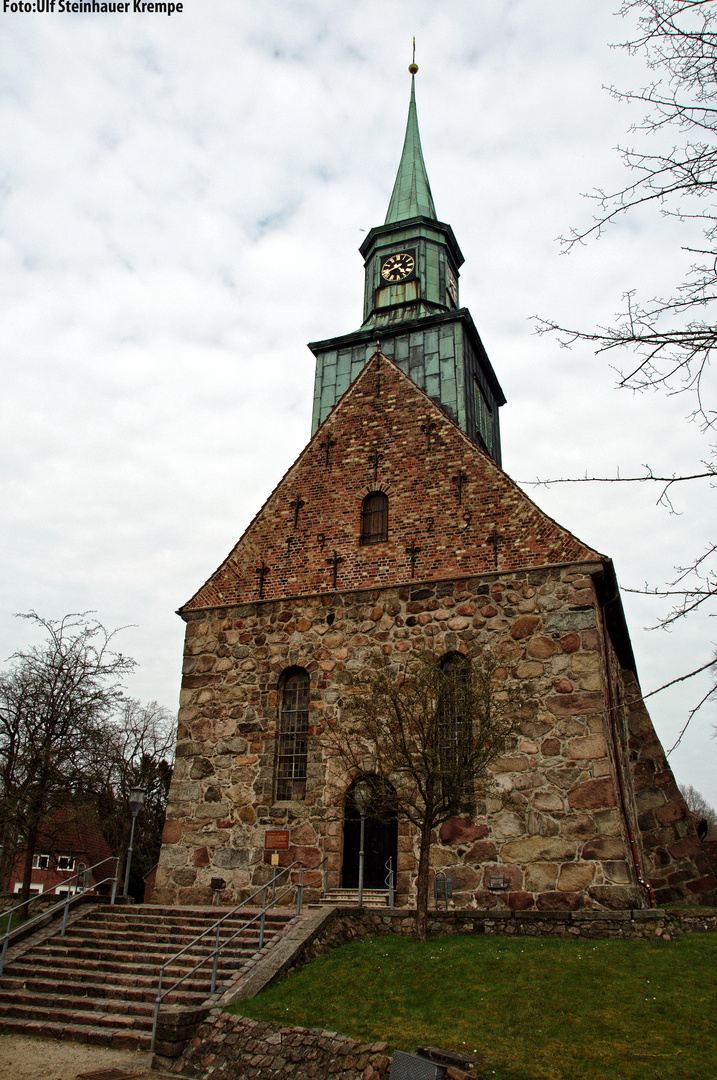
(398, 267)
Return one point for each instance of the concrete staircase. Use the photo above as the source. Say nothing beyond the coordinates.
(373, 898)
(98, 984)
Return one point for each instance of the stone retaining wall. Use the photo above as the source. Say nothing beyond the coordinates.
(227, 1046)
(350, 924)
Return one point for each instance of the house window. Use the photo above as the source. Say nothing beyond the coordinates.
(483, 417)
(35, 890)
(41, 862)
(293, 736)
(374, 518)
(65, 864)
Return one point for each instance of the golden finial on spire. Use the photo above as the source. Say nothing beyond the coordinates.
(413, 66)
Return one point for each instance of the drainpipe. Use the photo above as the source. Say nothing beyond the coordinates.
(618, 765)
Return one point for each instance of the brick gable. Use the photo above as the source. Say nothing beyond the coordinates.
(488, 524)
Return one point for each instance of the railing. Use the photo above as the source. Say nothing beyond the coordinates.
(324, 872)
(86, 884)
(215, 929)
(389, 881)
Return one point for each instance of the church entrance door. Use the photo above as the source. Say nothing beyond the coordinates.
(380, 842)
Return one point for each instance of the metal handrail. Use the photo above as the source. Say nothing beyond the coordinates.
(323, 874)
(389, 881)
(55, 907)
(215, 927)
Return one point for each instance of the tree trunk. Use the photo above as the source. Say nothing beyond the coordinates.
(8, 854)
(31, 840)
(422, 884)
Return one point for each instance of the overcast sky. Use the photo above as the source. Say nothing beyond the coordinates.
(181, 203)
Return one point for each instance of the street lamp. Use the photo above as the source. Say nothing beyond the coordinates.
(136, 802)
(362, 801)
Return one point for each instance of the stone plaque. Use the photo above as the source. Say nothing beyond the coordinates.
(276, 840)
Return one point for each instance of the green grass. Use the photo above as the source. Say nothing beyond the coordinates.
(17, 920)
(536, 1009)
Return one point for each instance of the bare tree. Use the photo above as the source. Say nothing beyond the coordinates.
(700, 809)
(429, 729)
(55, 703)
(670, 339)
(140, 751)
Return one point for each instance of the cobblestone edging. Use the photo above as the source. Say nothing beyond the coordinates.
(226, 1047)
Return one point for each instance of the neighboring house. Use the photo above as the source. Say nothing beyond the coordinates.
(397, 530)
(66, 848)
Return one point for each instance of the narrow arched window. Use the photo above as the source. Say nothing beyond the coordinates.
(454, 726)
(293, 736)
(374, 518)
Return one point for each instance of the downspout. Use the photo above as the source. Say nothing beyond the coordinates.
(618, 765)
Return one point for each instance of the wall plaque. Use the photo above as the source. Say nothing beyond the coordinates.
(276, 840)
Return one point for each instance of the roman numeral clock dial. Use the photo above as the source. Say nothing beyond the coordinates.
(398, 267)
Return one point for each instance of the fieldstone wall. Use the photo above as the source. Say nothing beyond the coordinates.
(583, 774)
(228, 1046)
(349, 924)
(673, 860)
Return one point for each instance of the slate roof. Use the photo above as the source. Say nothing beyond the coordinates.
(411, 196)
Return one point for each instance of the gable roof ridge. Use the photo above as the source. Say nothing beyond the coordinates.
(349, 390)
(431, 404)
(474, 447)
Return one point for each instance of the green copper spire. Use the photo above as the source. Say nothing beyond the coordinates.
(411, 195)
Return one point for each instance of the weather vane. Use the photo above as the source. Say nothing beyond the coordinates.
(413, 66)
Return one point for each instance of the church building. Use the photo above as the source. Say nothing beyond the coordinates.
(396, 529)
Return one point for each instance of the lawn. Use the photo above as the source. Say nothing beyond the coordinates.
(534, 1008)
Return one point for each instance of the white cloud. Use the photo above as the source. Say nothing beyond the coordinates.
(181, 203)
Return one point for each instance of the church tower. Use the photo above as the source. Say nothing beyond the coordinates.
(395, 531)
(412, 310)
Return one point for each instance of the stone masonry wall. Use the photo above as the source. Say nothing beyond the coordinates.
(665, 829)
(227, 1046)
(651, 924)
(555, 828)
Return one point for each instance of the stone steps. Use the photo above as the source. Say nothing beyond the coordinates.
(116, 1038)
(15, 990)
(149, 957)
(28, 972)
(99, 983)
(373, 898)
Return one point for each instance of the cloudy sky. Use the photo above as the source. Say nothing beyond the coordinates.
(181, 203)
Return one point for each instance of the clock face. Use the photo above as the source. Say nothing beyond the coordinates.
(398, 267)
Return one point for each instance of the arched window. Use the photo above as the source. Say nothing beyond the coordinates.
(454, 730)
(293, 736)
(374, 518)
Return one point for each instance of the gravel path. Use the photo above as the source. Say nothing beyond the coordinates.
(24, 1058)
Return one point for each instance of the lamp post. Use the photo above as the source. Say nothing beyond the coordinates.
(362, 801)
(136, 802)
